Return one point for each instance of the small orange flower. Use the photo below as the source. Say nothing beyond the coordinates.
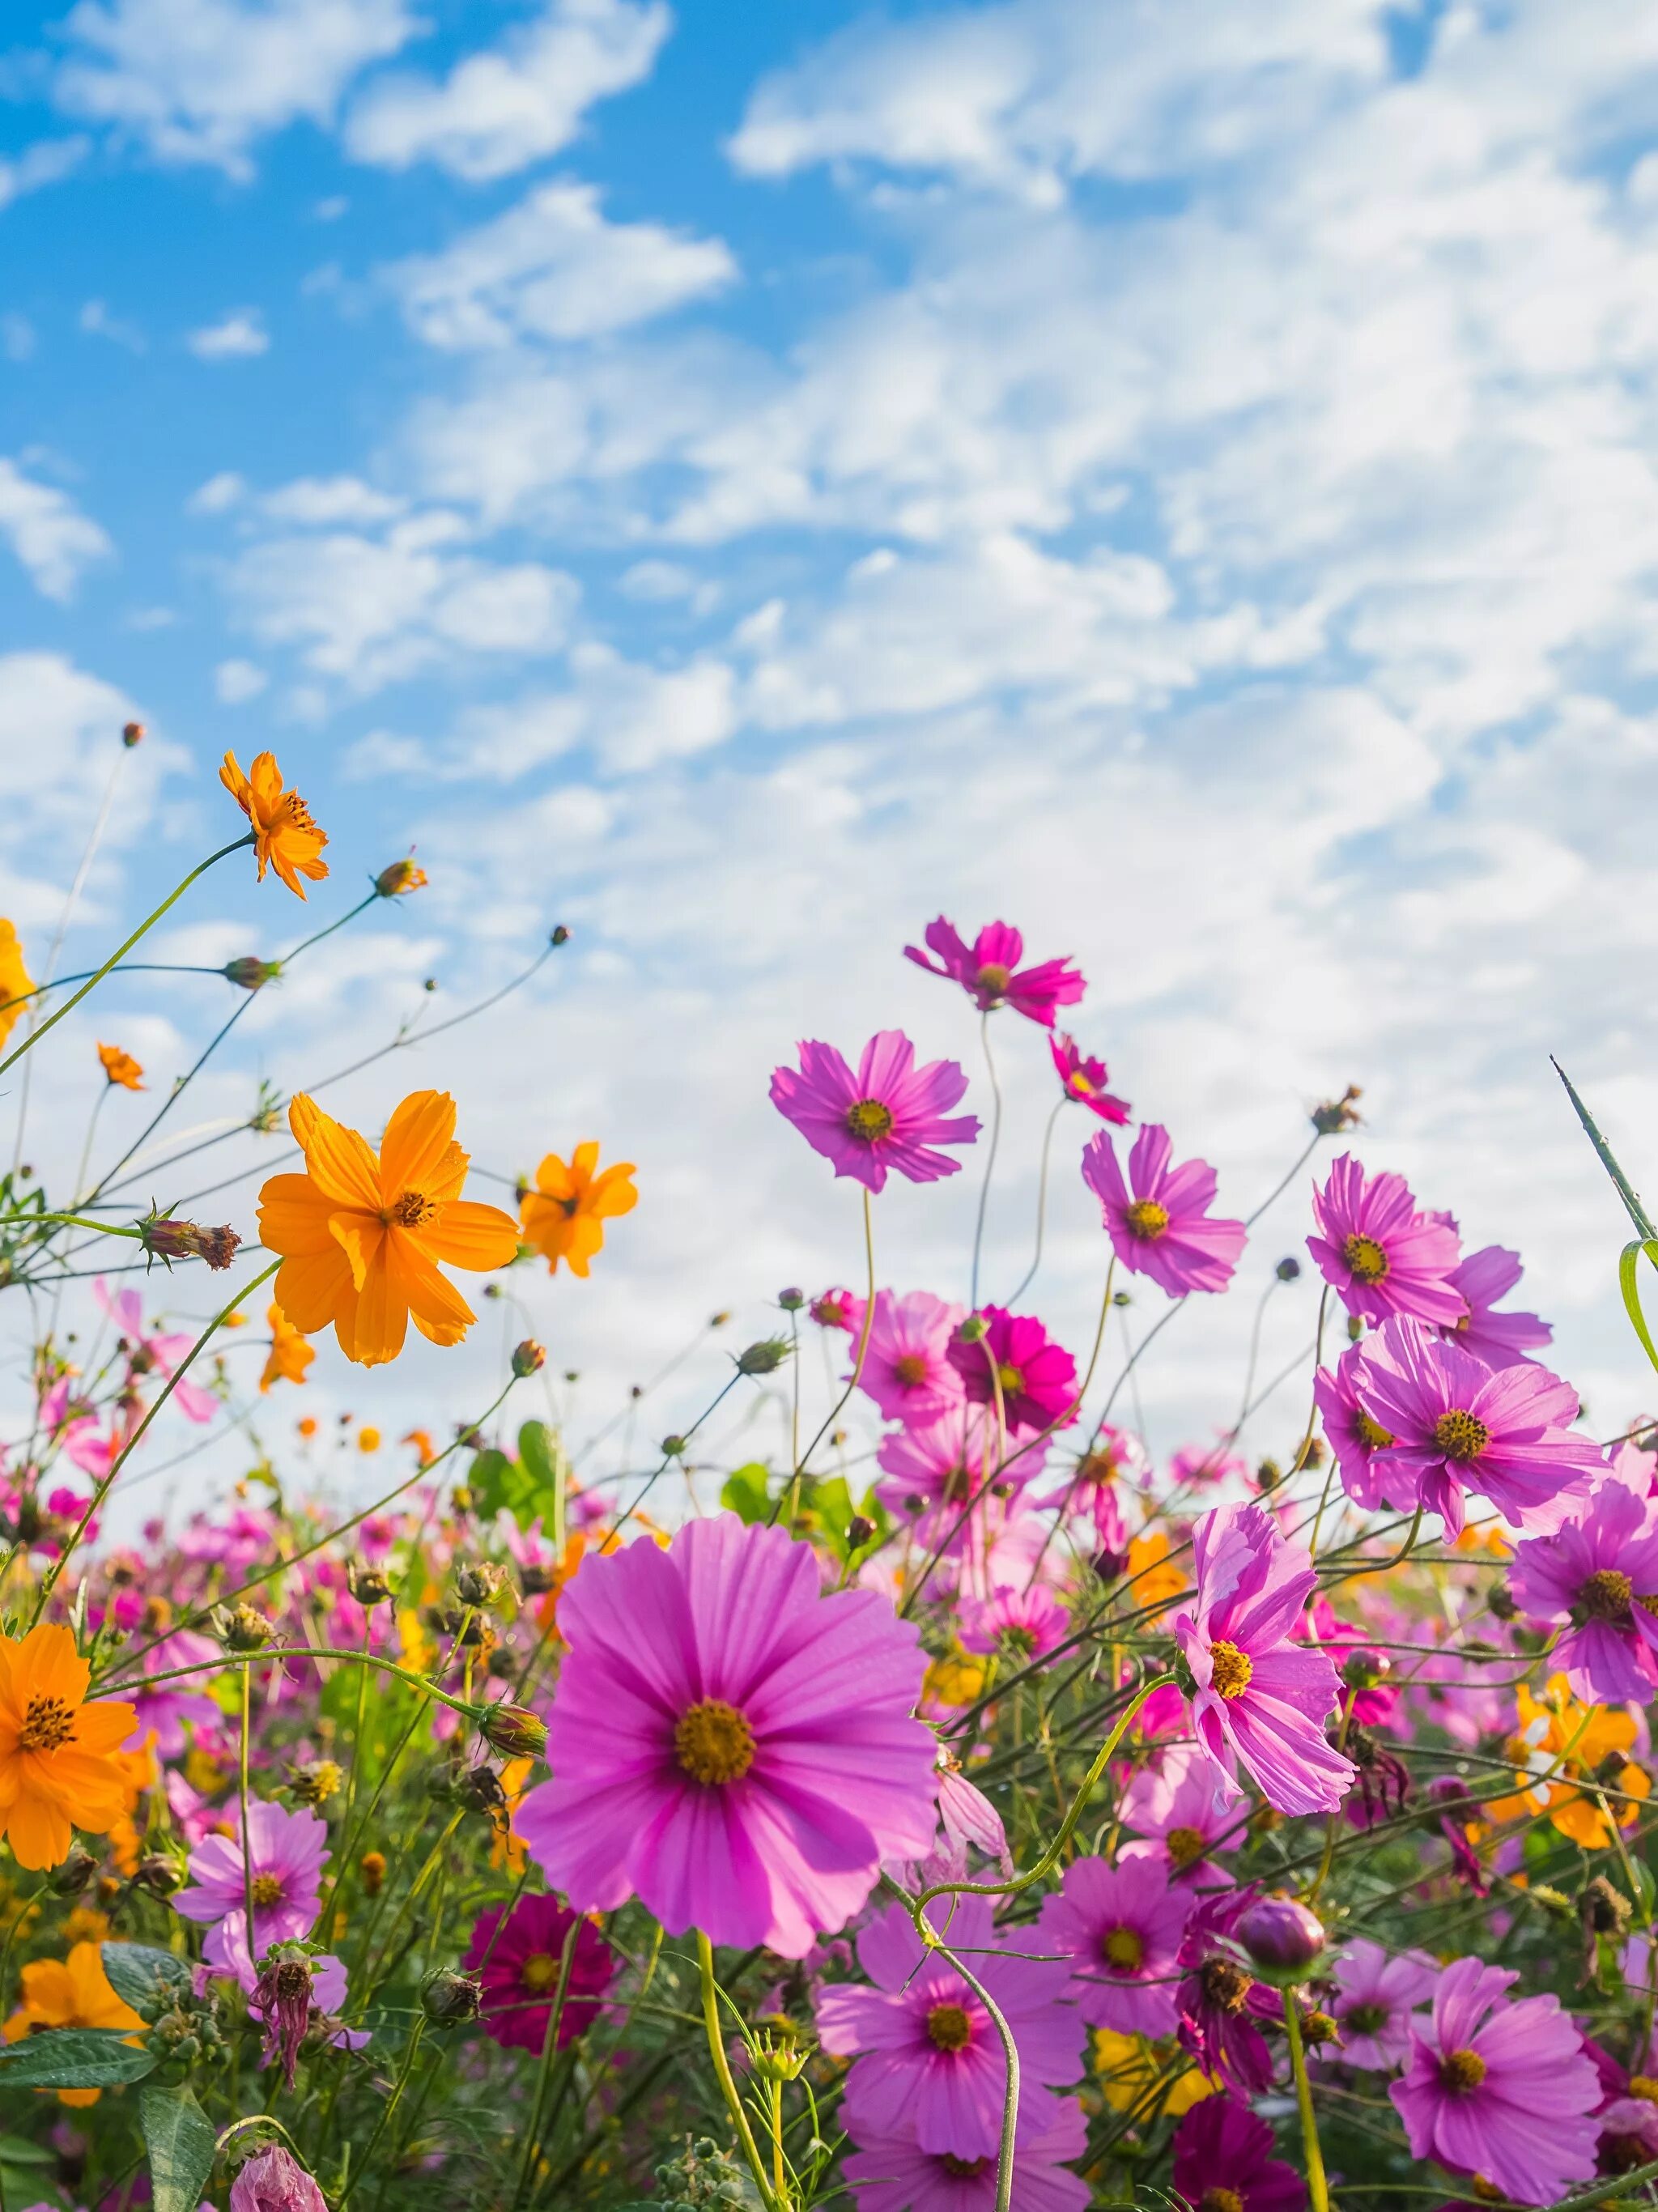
(564, 1215)
(306, 1424)
(285, 835)
(289, 1357)
(72, 1993)
(57, 1753)
(121, 1067)
(360, 1236)
(423, 1443)
(399, 879)
(1560, 1737)
(368, 1439)
(15, 982)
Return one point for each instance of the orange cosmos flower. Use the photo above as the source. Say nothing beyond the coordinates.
(360, 1237)
(289, 1354)
(285, 835)
(564, 1215)
(57, 1753)
(72, 1993)
(15, 982)
(121, 1067)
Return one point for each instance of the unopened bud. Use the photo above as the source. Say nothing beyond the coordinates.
(241, 1627)
(372, 1868)
(71, 1876)
(764, 1357)
(480, 1582)
(133, 733)
(561, 935)
(859, 1532)
(1355, 1328)
(366, 1584)
(399, 879)
(1282, 1936)
(251, 974)
(791, 1300)
(974, 1329)
(528, 1358)
(1362, 1670)
(673, 1447)
(479, 1789)
(1287, 1271)
(1268, 1475)
(186, 1240)
(449, 1997)
(514, 1730)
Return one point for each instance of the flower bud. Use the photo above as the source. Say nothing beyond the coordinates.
(273, 2180)
(764, 1357)
(791, 1300)
(480, 1582)
(1287, 1271)
(185, 1240)
(1268, 1475)
(536, 1581)
(973, 1330)
(1500, 1599)
(158, 1875)
(399, 879)
(478, 1787)
(561, 935)
(1362, 1670)
(132, 734)
(859, 1532)
(450, 1998)
(366, 1584)
(1355, 1328)
(372, 1867)
(249, 973)
(1606, 1911)
(528, 1358)
(241, 1627)
(71, 1876)
(1281, 1936)
(514, 1731)
(673, 1447)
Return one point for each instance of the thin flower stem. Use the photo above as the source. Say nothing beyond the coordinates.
(387, 2110)
(1029, 1274)
(990, 1157)
(242, 1801)
(1011, 2063)
(722, 2070)
(1318, 2189)
(549, 2051)
(830, 1418)
(269, 1653)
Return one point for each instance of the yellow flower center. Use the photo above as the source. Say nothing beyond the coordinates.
(1220, 2200)
(949, 2027)
(910, 1369)
(967, 2169)
(869, 1118)
(993, 977)
(1146, 1218)
(48, 1725)
(1459, 2071)
(1097, 1470)
(267, 1889)
(1012, 1378)
(1185, 1846)
(1643, 2086)
(1365, 1258)
(414, 1210)
(1370, 1432)
(713, 1743)
(1122, 1950)
(539, 1971)
(1606, 1594)
(1460, 1435)
(1232, 1669)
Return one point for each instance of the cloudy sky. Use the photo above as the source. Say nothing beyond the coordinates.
(742, 481)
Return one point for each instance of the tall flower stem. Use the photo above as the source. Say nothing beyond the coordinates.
(543, 2073)
(1029, 1274)
(990, 1159)
(1318, 2189)
(830, 1418)
(740, 2118)
(242, 1801)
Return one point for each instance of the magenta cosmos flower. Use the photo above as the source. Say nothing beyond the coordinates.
(1499, 1339)
(727, 1743)
(1123, 1926)
(888, 1114)
(907, 1367)
(1023, 1624)
(1259, 1699)
(1037, 1377)
(519, 1963)
(1354, 1434)
(1084, 1080)
(286, 1851)
(1599, 1572)
(1220, 2002)
(155, 1354)
(1376, 1992)
(893, 2173)
(1380, 1255)
(927, 2056)
(1505, 2091)
(1459, 1426)
(1172, 1811)
(1158, 1221)
(1223, 2158)
(988, 970)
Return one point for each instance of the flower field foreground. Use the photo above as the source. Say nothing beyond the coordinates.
(971, 1810)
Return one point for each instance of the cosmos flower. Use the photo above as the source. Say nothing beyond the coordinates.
(1172, 1813)
(892, 2172)
(156, 1354)
(286, 1855)
(273, 2180)
(519, 1964)
(1123, 1926)
(931, 1473)
(285, 837)
(888, 1114)
(564, 1215)
(907, 1367)
(290, 1352)
(727, 1742)
(1354, 1434)
(164, 1711)
(16, 984)
(1084, 1080)
(1597, 1575)
(1499, 2089)
(988, 971)
(1376, 1992)
(1499, 1339)
(1260, 1699)
(72, 1992)
(361, 1236)
(1037, 1377)
(1158, 1221)
(1219, 2001)
(1381, 1255)
(120, 1068)
(1223, 2158)
(1023, 1624)
(58, 1755)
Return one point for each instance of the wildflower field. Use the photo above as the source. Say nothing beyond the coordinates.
(996, 1817)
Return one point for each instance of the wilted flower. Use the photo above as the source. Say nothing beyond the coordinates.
(273, 2180)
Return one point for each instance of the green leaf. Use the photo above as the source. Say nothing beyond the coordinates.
(489, 1479)
(1646, 1890)
(14, 2151)
(73, 2058)
(1628, 1261)
(541, 1454)
(179, 2137)
(144, 1977)
(747, 1493)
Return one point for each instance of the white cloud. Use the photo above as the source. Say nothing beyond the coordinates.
(47, 532)
(320, 501)
(554, 267)
(97, 322)
(202, 80)
(46, 162)
(237, 681)
(499, 110)
(218, 494)
(17, 336)
(239, 336)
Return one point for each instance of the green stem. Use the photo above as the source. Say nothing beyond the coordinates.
(387, 2110)
(549, 2051)
(863, 1343)
(723, 2073)
(1318, 2190)
(990, 1155)
(241, 1799)
(1029, 1275)
(1625, 1190)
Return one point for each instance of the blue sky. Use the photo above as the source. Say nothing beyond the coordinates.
(741, 481)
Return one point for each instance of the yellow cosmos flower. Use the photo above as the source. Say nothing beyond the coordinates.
(74, 1992)
(1128, 2065)
(121, 1067)
(954, 1679)
(1588, 1735)
(290, 1352)
(564, 1215)
(58, 1762)
(15, 982)
(1153, 1576)
(285, 837)
(361, 1234)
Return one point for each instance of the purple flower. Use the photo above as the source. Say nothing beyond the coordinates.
(1158, 1221)
(1259, 1699)
(967, 1816)
(1501, 1339)
(1502, 2090)
(988, 970)
(893, 2173)
(1355, 1435)
(1022, 1625)
(1376, 1992)
(728, 1743)
(1460, 1426)
(933, 1472)
(1037, 1376)
(888, 1114)
(1598, 1572)
(1123, 1926)
(1381, 1255)
(287, 1857)
(907, 1367)
(1172, 1808)
(518, 1966)
(927, 2053)
(157, 1355)
(1224, 2156)
(1220, 2002)
(273, 2180)
(1084, 1080)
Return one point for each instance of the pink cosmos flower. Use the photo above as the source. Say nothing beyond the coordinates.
(927, 2055)
(1460, 1426)
(286, 1855)
(1219, 2001)
(988, 971)
(1202, 1466)
(967, 1816)
(1224, 2154)
(728, 1743)
(888, 1114)
(1260, 1699)
(1023, 1624)
(1598, 1572)
(273, 2180)
(1499, 1339)
(1084, 1080)
(839, 1309)
(907, 1367)
(196, 1816)
(518, 1966)
(893, 2173)
(1628, 2116)
(1376, 1993)
(158, 1355)
(1504, 2090)
(1037, 1376)
(1172, 1811)
(1354, 1434)
(1381, 1255)
(1123, 1925)
(1158, 1221)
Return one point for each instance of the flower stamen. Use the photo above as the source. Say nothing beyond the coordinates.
(713, 1743)
(1230, 1669)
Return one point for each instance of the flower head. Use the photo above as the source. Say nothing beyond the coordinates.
(1017, 1362)
(361, 1236)
(1380, 1253)
(1355, 1435)
(1223, 2162)
(988, 970)
(1220, 2002)
(290, 1352)
(888, 1114)
(285, 1856)
(1598, 1574)
(16, 984)
(934, 1471)
(1158, 1221)
(1499, 1339)
(1022, 1625)
(517, 1957)
(1084, 1080)
(1173, 1811)
(1123, 1926)
(60, 1766)
(907, 1367)
(285, 835)
(150, 1352)
(120, 1068)
(1376, 1993)
(273, 2180)
(564, 1215)
(72, 1992)
(890, 2173)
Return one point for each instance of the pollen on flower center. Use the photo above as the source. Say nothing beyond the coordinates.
(1225, 1986)
(1123, 1950)
(1606, 1594)
(1145, 1217)
(993, 978)
(1460, 1435)
(539, 1971)
(48, 1724)
(1230, 1669)
(1185, 1846)
(267, 1889)
(949, 2027)
(414, 1210)
(910, 1368)
(1370, 1432)
(961, 2169)
(712, 1742)
(1010, 1378)
(1099, 1468)
(1365, 1258)
(1220, 2200)
(1459, 2071)
(868, 1118)
(1643, 2086)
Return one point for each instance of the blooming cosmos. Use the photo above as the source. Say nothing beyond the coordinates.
(1258, 1700)
(564, 1215)
(1376, 1992)
(283, 1871)
(1023, 1624)
(1355, 1435)
(290, 1351)
(1176, 1821)
(1158, 1221)
(1381, 1255)
(907, 1367)
(889, 1114)
(1017, 1362)
(16, 984)
(1084, 1080)
(1501, 2089)
(1220, 2002)
(58, 1762)
(1498, 1339)
(153, 1354)
(926, 2052)
(361, 1236)
(120, 1068)
(517, 1957)
(727, 1742)
(1122, 1926)
(1598, 1574)
(988, 970)
(1223, 2159)
(72, 1992)
(285, 837)
(892, 2172)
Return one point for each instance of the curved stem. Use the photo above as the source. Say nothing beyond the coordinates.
(1029, 1274)
(723, 2073)
(990, 1159)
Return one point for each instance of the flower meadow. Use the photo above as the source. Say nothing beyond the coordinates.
(964, 1808)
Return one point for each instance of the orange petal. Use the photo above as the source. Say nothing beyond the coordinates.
(553, 1178)
(361, 1240)
(440, 1313)
(293, 1215)
(38, 1832)
(381, 1321)
(417, 1137)
(337, 1159)
(468, 1235)
(312, 1287)
(106, 1724)
(448, 1177)
(47, 1665)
